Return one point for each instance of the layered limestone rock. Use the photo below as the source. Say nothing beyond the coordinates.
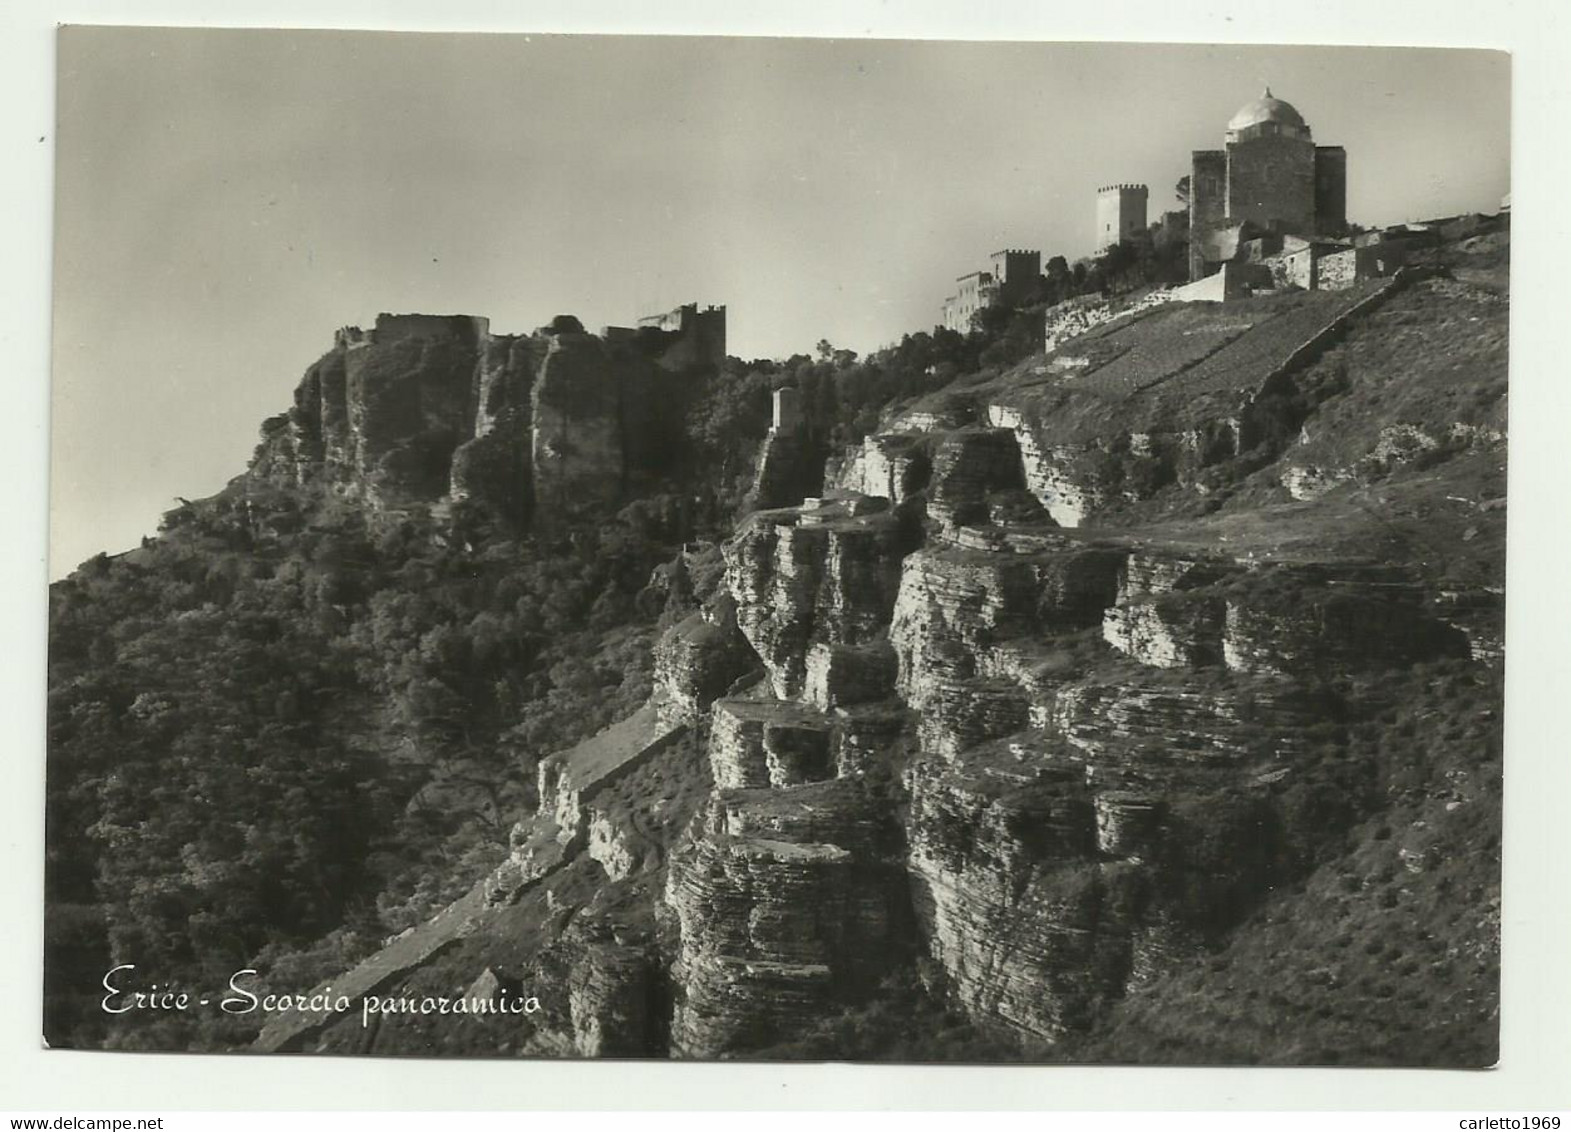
(1010, 898)
(894, 465)
(380, 415)
(1075, 476)
(697, 660)
(959, 714)
(870, 737)
(612, 844)
(772, 933)
(295, 443)
(1132, 408)
(409, 403)
(1331, 630)
(1090, 733)
(1162, 724)
(825, 572)
(847, 674)
(769, 743)
(956, 606)
(1149, 572)
(789, 898)
(838, 811)
(611, 1000)
(1171, 631)
(1128, 824)
(968, 465)
(435, 411)
(1046, 469)
(1068, 320)
(1178, 611)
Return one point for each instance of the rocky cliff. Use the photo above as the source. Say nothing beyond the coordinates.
(1103, 736)
(437, 412)
(1072, 683)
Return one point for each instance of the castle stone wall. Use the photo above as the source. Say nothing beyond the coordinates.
(1294, 268)
(1120, 214)
(697, 338)
(1337, 271)
(1207, 203)
(467, 328)
(1016, 272)
(1330, 190)
(1271, 181)
(973, 292)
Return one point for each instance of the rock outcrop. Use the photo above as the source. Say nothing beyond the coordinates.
(1023, 920)
(577, 440)
(612, 999)
(382, 412)
(976, 711)
(784, 906)
(697, 660)
(1139, 404)
(436, 412)
(494, 469)
(825, 572)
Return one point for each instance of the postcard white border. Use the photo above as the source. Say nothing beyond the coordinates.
(1536, 1052)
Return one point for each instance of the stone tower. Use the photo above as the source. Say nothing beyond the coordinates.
(1015, 271)
(1120, 213)
(1270, 178)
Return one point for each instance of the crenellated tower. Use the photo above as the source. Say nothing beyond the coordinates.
(1120, 214)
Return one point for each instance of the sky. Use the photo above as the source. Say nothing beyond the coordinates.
(226, 199)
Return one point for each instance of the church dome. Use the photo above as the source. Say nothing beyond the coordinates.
(1264, 109)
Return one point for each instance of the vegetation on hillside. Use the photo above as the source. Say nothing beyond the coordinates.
(278, 749)
(286, 729)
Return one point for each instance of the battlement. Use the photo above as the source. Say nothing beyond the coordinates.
(1012, 274)
(697, 336)
(1120, 213)
(681, 317)
(395, 327)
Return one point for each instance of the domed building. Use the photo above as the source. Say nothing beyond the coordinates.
(1269, 180)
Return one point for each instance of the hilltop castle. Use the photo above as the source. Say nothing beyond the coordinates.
(1120, 214)
(437, 411)
(1269, 180)
(1009, 278)
(685, 339)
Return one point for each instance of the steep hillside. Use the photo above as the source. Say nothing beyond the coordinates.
(1134, 701)
(1388, 953)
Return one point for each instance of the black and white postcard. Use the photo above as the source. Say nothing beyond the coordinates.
(725, 548)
